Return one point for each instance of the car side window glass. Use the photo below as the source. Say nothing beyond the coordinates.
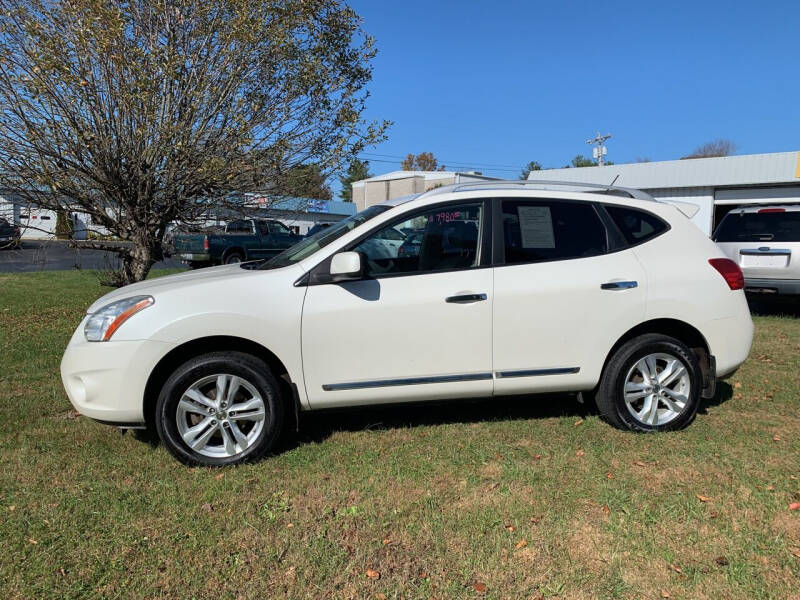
(440, 239)
(545, 230)
(636, 226)
(238, 227)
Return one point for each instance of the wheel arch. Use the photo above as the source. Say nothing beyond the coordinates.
(234, 250)
(188, 350)
(680, 330)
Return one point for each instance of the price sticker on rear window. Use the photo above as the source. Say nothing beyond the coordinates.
(536, 227)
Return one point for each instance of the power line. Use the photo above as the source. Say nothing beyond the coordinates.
(463, 166)
(444, 160)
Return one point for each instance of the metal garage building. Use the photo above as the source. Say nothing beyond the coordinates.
(716, 185)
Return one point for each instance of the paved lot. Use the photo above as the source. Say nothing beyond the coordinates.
(58, 256)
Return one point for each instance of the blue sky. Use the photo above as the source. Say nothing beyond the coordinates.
(502, 83)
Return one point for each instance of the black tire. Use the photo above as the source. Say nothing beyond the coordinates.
(610, 392)
(254, 371)
(233, 257)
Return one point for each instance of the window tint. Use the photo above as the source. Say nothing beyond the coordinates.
(279, 228)
(541, 230)
(636, 225)
(760, 226)
(239, 227)
(449, 238)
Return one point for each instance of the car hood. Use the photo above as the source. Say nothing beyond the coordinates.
(152, 287)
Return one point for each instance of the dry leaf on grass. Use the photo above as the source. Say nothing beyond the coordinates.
(665, 594)
(220, 476)
(675, 568)
(737, 385)
(609, 476)
(702, 498)
(578, 422)
(579, 453)
(479, 587)
(639, 463)
(795, 552)
(372, 574)
(381, 596)
(510, 527)
(776, 438)
(722, 561)
(794, 506)
(521, 544)
(32, 541)
(387, 541)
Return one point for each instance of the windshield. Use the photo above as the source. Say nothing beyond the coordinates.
(322, 238)
(773, 226)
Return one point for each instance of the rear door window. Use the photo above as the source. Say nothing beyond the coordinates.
(544, 230)
(636, 226)
(771, 226)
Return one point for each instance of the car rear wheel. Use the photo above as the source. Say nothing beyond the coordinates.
(652, 383)
(233, 257)
(219, 409)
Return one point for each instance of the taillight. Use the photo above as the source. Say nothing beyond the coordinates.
(772, 210)
(205, 242)
(730, 272)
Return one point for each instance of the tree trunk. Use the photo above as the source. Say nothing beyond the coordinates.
(136, 263)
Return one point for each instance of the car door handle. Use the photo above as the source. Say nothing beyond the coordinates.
(465, 298)
(618, 285)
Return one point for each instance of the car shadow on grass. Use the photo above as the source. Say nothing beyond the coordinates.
(774, 306)
(318, 426)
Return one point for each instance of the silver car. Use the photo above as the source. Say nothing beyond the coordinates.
(765, 242)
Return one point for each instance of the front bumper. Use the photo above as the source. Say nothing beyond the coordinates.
(788, 287)
(106, 380)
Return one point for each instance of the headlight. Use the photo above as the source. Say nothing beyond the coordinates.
(102, 324)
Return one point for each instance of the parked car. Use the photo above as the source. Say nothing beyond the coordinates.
(242, 240)
(765, 242)
(9, 235)
(515, 290)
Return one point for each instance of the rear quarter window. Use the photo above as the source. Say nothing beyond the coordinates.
(759, 227)
(636, 226)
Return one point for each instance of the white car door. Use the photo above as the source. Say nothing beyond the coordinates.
(416, 327)
(561, 298)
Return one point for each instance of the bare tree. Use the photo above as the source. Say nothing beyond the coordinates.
(139, 113)
(720, 147)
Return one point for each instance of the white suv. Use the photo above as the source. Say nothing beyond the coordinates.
(514, 289)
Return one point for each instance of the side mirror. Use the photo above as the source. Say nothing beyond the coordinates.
(346, 266)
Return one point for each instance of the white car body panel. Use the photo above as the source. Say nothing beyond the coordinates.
(375, 330)
(535, 317)
(541, 321)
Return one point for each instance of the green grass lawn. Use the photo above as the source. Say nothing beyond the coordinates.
(519, 498)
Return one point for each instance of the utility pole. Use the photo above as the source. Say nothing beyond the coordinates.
(600, 151)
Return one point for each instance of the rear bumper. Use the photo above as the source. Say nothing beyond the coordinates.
(193, 256)
(789, 287)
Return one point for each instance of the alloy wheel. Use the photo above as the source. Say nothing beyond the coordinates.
(657, 389)
(220, 416)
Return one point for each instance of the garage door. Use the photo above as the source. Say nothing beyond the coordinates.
(776, 195)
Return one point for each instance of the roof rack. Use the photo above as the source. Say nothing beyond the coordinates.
(594, 188)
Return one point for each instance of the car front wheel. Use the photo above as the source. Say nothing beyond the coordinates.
(652, 383)
(219, 409)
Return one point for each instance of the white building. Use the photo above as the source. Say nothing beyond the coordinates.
(388, 186)
(715, 185)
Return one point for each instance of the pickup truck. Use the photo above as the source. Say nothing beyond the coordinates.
(242, 239)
